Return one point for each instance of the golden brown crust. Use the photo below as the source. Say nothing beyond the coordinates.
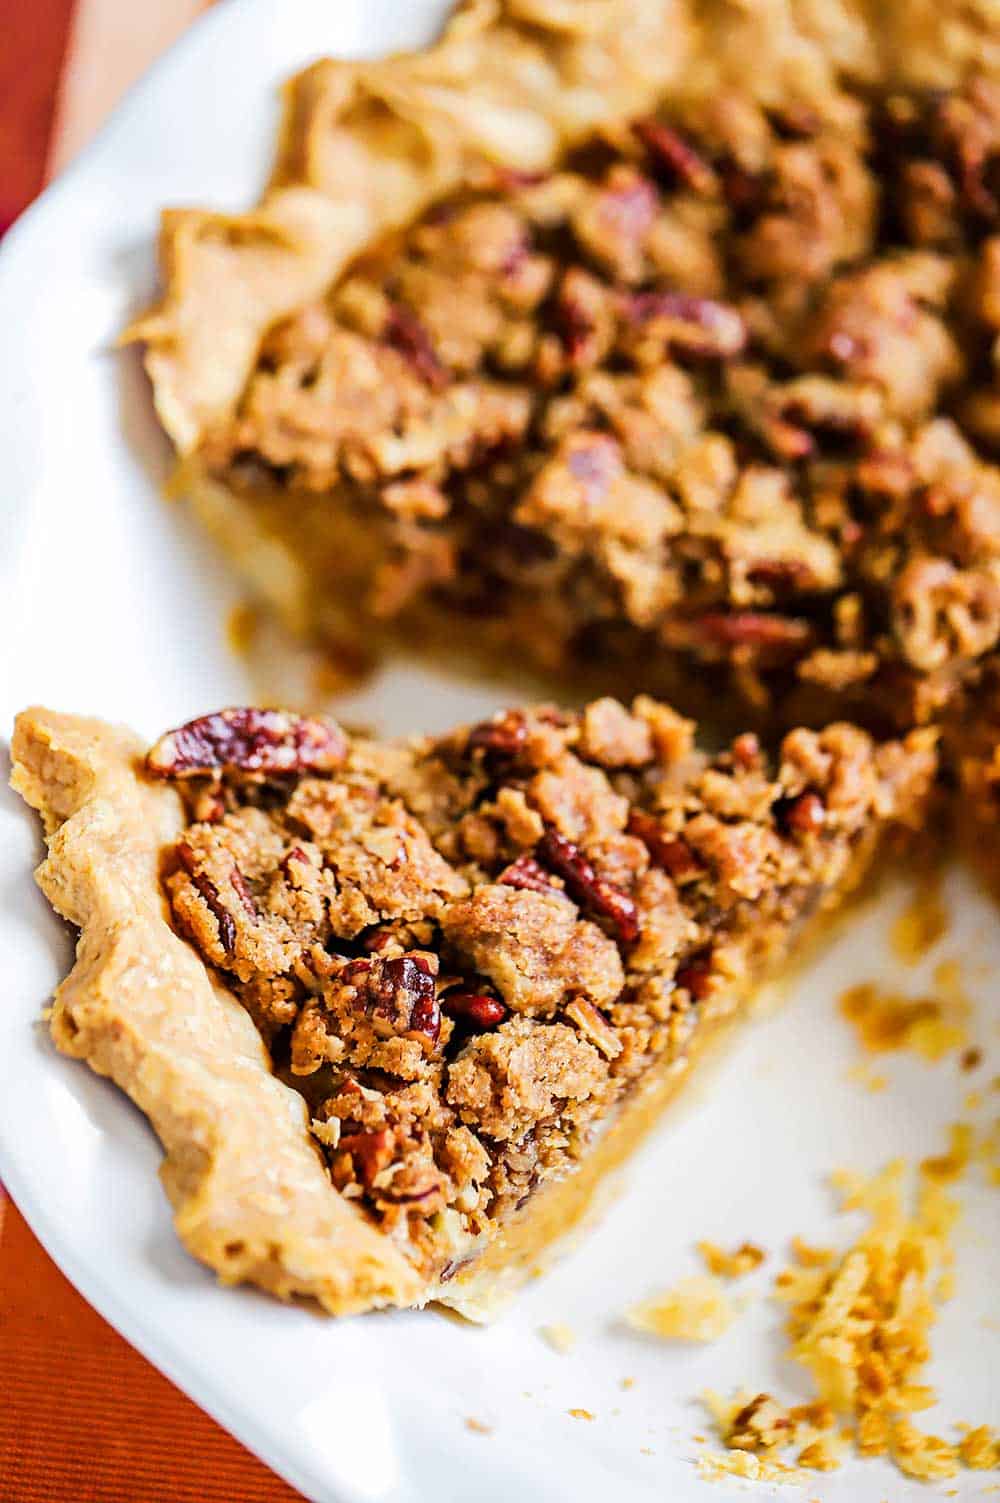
(141, 1007)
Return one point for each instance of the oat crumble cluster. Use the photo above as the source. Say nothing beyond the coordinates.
(721, 391)
(465, 951)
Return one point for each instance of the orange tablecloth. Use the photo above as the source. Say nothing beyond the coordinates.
(84, 1418)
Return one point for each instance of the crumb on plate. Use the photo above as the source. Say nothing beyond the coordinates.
(694, 1309)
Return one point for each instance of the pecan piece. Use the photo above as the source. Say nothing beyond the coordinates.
(248, 740)
(370, 1152)
(595, 1027)
(243, 892)
(502, 737)
(405, 333)
(697, 326)
(527, 873)
(401, 993)
(780, 573)
(695, 975)
(584, 885)
(746, 750)
(209, 894)
(669, 152)
(753, 629)
(478, 1011)
(675, 856)
(805, 815)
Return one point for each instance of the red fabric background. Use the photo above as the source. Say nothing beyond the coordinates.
(83, 1418)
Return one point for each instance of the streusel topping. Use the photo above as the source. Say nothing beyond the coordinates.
(465, 951)
(723, 385)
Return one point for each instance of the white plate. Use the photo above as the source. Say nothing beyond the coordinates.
(111, 603)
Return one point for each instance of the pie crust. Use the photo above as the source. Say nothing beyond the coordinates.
(141, 1007)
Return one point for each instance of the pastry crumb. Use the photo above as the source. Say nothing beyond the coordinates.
(953, 1164)
(860, 1324)
(628, 1383)
(559, 1336)
(862, 1074)
(716, 1466)
(477, 1426)
(979, 1449)
(818, 1457)
(583, 1414)
(731, 1265)
(886, 1021)
(694, 1309)
(923, 922)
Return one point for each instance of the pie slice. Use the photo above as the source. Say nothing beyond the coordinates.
(687, 388)
(395, 1009)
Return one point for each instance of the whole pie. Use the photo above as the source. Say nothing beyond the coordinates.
(571, 341)
(394, 1009)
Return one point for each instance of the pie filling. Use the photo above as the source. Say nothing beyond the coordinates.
(466, 953)
(719, 392)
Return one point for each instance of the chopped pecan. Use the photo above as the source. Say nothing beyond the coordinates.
(753, 629)
(476, 1010)
(407, 335)
(399, 993)
(594, 1026)
(243, 892)
(780, 573)
(526, 873)
(695, 975)
(590, 891)
(689, 325)
(746, 749)
(371, 1152)
(670, 152)
(209, 894)
(502, 737)
(805, 815)
(674, 855)
(248, 740)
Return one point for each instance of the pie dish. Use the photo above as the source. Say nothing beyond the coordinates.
(660, 379)
(350, 1409)
(394, 1009)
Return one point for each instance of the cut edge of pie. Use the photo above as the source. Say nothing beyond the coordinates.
(252, 1195)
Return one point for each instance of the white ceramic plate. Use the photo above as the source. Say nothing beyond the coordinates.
(111, 603)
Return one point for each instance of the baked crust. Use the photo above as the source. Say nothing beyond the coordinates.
(141, 1007)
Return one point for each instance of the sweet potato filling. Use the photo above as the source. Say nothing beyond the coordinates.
(467, 952)
(718, 394)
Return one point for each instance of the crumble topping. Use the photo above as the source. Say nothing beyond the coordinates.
(723, 385)
(464, 951)
(731, 1265)
(695, 1309)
